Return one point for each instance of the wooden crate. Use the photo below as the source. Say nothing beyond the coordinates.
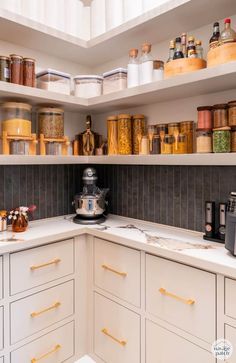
(223, 54)
(183, 65)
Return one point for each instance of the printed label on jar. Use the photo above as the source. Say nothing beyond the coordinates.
(7, 73)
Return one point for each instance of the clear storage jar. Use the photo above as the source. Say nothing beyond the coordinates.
(222, 140)
(204, 117)
(187, 128)
(232, 113)
(168, 144)
(16, 118)
(220, 113)
(112, 135)
(124, 134)
(51, 122)
(88, 86)
(158, 70)
(180, 144)
(55, 81)
(115, 80)
(138, 131)
(204, 141)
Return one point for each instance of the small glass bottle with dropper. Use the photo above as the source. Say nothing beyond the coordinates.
(178, 49)
(146, 64)
(133, 69)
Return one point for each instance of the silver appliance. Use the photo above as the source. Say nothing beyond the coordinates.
(90, 204)
(230, 234)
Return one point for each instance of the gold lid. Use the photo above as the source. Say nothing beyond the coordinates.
(50, 110)
(133, 52)
(146, 47)
(16, 56)
(138, 116)
(198, 42)
(24, 106)
(112, 118)
(124, 115)
(191, 38)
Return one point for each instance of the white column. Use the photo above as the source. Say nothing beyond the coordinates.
(114, 13)
(98, 17)
(74, 17)
(132, 9)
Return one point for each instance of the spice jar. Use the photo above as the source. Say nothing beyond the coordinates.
(233, 140)
(4, 69)
(138, 130)
(156, 145)
(124, 134)
(180, 144)
(204, 117)
(173, 128)
(220, 113)
(51, 122)
(161, 128)
(222, 140)
(16, 69)
(204, 141)
(144, 146)
(168, 144)
(158, 70)
(187, 128)
(232, 113)
(29, 72)
(112, 135)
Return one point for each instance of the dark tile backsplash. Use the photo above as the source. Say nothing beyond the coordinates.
(171, 195)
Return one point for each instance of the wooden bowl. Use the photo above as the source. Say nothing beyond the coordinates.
(223, 54)
(183, 65)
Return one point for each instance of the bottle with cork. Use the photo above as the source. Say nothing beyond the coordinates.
(133, 69)
(146, 64)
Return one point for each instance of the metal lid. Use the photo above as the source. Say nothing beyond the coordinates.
(224, 128)
(115, 71)
(232, 103)
(173, 124)
(124, 115)
(24, 106)
(186, 123)
(50, 110)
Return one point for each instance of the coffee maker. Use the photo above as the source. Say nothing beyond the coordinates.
(230, 236)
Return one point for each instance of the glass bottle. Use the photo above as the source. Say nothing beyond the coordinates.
(133, 69)
(146, 64)
(191, 45)
(199, 49)
(213, 42)
(178, 49)
(184, 44)
(228, 35)
(171, 50)
(88, 138)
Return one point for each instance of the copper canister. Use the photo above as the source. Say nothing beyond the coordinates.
(138, 131)
(187, 128)
(112, 135)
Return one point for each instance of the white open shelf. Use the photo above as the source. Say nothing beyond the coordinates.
(184, 159)
(156, 25)
(209, 80)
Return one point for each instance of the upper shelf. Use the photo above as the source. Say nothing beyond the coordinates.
(159, 24)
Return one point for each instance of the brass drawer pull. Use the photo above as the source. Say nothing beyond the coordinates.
(124, 274)
(54, 350)
(185, 301)
(121, 342)
(53, 262)
(34, 314)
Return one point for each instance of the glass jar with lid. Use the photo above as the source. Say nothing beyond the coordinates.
(16, 69)
(222, 140)
(158, 70)
(204, 141)
(124, 134)
(161, 128)
(16, 118)
(156, 145)
(180, 144)
(4, 69)
(112, 135)
(173, 128)
(168, 144)
(220, 115)
(138, 130)
(88, 86)
(204, 117)
(232, 113)
(233, 139)
(51, 122)
(187, 128)
(115, 80)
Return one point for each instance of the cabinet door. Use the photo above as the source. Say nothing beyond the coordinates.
(1, 327)
(230, 334)
(163, 346)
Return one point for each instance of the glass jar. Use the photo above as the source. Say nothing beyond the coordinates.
(222, 140)
(173, 128)
(220, 115)
(138, 130)
(144, 146)
(16, 69)
(4, 69)
(20, 224)
(204, 117)
(29, 72)
(51, 122)
(233, 140)
(204, 141)
(168, 144)
(115, 80)
(158, 70)
(16, 118)
(180, 144)
(187, 128)
(124, 134)
(88, 86)
(162, 128)
(19, 147)
(53, 148)
(112, 135)
(156, 145)
(232, 113)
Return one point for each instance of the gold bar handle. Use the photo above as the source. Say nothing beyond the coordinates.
(34, 314)
(124, 274)
(121, 342)
(53, 262)
(54, 350)
(185, 301)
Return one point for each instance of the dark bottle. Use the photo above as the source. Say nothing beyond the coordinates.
(191, 45)
(213, 42)
(178, 49)
(210, 219)
(222, 218)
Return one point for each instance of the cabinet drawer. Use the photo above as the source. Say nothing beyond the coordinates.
(116, 332)
(117, 270)
(182, 296)
(40, 265)
(1, 328)
(57, 347)
(163, 346)
(230, 297)
(39, 311)
(230, 334)
(1, 278)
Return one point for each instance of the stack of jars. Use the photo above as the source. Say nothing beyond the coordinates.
(216, 130)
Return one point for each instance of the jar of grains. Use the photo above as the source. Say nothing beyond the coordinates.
(168, 144)
(222, 140)
(112, 135)
(204, 141)
(220, 115)
(4, 69)
(16, 68)
(124, 134)
(29, 72)
(204, 117)
(232, 113)
(180, 144)
(187, 128)
(51, 122)
(138, 130)
(233, 139)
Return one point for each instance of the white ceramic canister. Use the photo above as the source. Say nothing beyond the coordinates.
(114, 13)
(33, 9)
(98, 17)
(74, 17)
(132, 9)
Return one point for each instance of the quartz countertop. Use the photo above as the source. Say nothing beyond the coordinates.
(176, 244)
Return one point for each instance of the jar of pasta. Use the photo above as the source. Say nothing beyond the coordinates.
(180, 144)
(232, 113)
(124, 134)
(204, 141)
(112, 135)
(168, 144)
(138, 130)
(187, 128)
(220, 115)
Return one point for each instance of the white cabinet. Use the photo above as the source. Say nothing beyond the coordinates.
(39, 311)
(57, 346)
(163, 346)
(40, 265)
(1, 278)
(117, 270)
(230, 334)
(116, 332)
(1, 328)
(230, 297)
(1, 360)
(181, 295)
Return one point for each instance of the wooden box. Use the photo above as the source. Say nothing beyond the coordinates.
(223, 54)
(183, 65)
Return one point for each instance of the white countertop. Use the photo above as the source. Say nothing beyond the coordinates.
(174, 243)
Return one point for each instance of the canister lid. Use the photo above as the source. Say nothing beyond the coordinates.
(50, 110)
(24, 106)
(29, 60)
(146, 47)
(161, 125)
(112, 118)
(232, 103)
(16, 56)
(124, 115)
(138, 116)
(133, 52)
(88, 76)
(3, 57)
(158, 64)
(53, 72)
(203, 108)
(115, 71)
(173, 124)
(220, 106)
(225, 128)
